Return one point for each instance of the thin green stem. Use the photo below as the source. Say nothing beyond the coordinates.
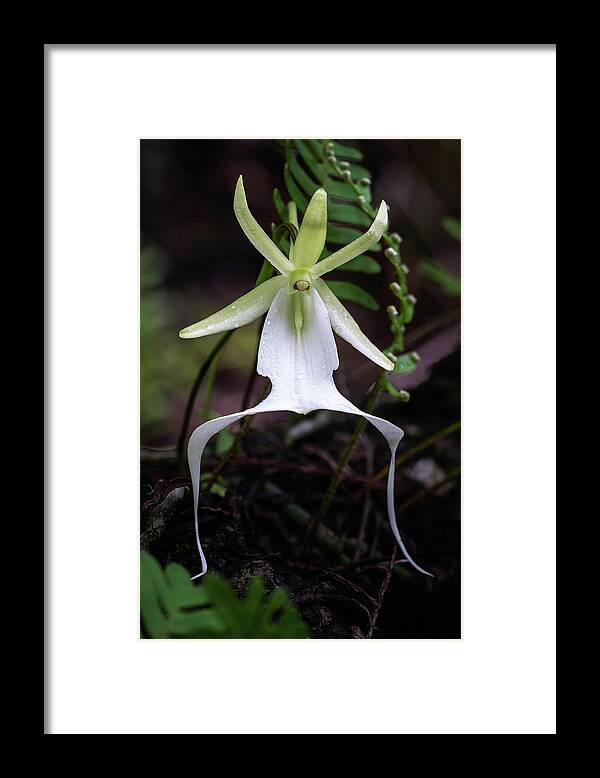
(209, 386)
(204, 369)
(251, 382)
(264, 274)
(239, 436)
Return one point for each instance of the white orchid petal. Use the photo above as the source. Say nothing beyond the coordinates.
(243, 311)
(357, 247)
(300, 366)
(347, 328)
(297, 363)
(255, 233)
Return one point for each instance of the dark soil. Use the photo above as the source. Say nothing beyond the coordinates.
(273, 489)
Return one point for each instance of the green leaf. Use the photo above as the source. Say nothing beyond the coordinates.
(219, 487)
(340, 189)
(255, 593)
(348, 214)
(346, 152)
(316, 148)
(441, 276)
(285, 230)
(362, 264)
(343, 235)
(204, 623)
(452, 226)
(222, 597)
(265, 273)
(225, 440)
(406, 363)
(280, 205)
(172, 606)
(346, 290)
(294, 190)
(300, 175)
(321, 172)
(154, 597)
(312, 162)
(358, 171)
(289, 625)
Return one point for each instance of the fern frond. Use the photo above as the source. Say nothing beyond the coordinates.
(307, 169)
(172, 606)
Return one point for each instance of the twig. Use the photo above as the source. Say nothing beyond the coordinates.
(371, 562)
(319, 452)
(382, 591)
(386, 582)
(352, 585)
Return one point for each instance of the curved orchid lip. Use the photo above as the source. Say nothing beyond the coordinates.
(297, 350)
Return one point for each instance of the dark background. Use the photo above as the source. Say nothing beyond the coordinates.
(195, 259)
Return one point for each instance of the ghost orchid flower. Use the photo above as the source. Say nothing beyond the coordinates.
(297, 350)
